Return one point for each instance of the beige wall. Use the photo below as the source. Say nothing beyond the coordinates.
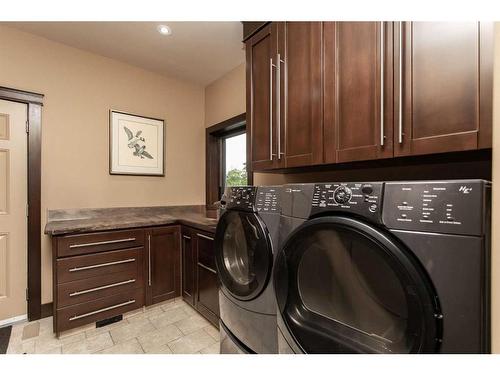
(495, 249)
(225, 97)
(79, 89)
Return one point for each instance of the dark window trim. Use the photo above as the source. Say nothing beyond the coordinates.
(215, 155)
(34, 104)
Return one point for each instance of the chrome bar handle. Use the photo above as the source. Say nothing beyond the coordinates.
(207, 268)
(102, 310)
(101, 265)
(149, 259)
(278, 102)
(382, 61)
(271, 109)
(205, 237)
(101, 288)
(400, 135)
(186, 237)
(102, 242)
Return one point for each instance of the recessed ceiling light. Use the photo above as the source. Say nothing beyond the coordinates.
(164, 30)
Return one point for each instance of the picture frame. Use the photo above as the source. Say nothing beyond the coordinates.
(136, 145)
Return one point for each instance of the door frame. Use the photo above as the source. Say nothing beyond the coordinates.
(34, 103)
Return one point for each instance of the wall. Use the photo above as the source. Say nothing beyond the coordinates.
(225, 97)
(495, 270)
(79, 89)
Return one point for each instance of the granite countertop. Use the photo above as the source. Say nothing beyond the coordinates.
(72, 221)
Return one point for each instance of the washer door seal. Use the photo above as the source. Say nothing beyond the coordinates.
(243, 254)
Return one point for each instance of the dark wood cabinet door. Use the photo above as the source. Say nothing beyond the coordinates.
(441, 104)
(188, 266)
(357, 91)
(299, 119)
(207, 296)
(162, 264)
(261, 51)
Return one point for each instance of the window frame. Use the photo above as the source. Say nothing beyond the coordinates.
(215, 156)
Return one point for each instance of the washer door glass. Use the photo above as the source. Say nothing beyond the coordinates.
(243, 254)
(351, 289)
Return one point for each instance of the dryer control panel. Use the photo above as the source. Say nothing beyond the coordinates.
(362, 198)
(268, 199)
(240, 197)
(455, 207)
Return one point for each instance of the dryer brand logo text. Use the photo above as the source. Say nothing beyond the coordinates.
(465, 189)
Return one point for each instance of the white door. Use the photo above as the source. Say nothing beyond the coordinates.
(13, 202)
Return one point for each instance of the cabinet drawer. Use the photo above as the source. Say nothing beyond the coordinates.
(98, 287)
(206, 251)
(99, 309)
(100, 264)
(97, 242)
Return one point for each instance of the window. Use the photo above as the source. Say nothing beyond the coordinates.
(235, 160)
(226, 157)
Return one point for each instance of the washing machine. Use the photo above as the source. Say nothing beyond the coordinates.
(394, 267)
(246, 241)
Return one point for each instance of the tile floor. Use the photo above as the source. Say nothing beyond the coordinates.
(172, 327)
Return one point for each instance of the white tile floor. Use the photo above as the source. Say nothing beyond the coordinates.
(172, 327)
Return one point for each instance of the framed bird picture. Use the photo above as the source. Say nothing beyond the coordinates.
(136, 145)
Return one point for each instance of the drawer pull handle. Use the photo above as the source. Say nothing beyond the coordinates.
(205, 237)
(186, 237)
(101, 265)
(101, 242)
(76, 317)
(101, 288)
(207, 268)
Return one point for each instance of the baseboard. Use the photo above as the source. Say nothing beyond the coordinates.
(15, 319)
(46, 310)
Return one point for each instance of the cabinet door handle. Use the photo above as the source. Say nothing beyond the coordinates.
(186, 237)
(101, 265)
(101, 242)
(101, 288)
(382, 61)
(278, 102)
(400, 130)
(205, 237)
(207, 268)
(76, 317)
(271, 65)
(149, 259)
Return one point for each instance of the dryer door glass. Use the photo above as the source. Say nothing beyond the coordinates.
(351, 289)
(243, 254)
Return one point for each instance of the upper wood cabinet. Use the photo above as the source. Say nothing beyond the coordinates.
(357, 91)
(443, 83)
(299, 113)
(162, 264)
(285, 101)
(321, 93)
(261, 51)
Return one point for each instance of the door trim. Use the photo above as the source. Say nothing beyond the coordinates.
(34, 102)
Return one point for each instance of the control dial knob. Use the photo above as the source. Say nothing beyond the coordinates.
(342, 195)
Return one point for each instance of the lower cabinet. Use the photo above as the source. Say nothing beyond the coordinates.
(200, 283)
(188, 268)
(207, 282)
(97, 276)
(162, 264)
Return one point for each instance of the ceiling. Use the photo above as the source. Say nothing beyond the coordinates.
(199, 52)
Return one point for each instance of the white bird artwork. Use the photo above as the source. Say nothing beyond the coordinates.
(133, 142)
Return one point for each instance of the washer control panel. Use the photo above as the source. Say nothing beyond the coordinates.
(240, 197)
(455, 207)
(268, 199)
(363, 198)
